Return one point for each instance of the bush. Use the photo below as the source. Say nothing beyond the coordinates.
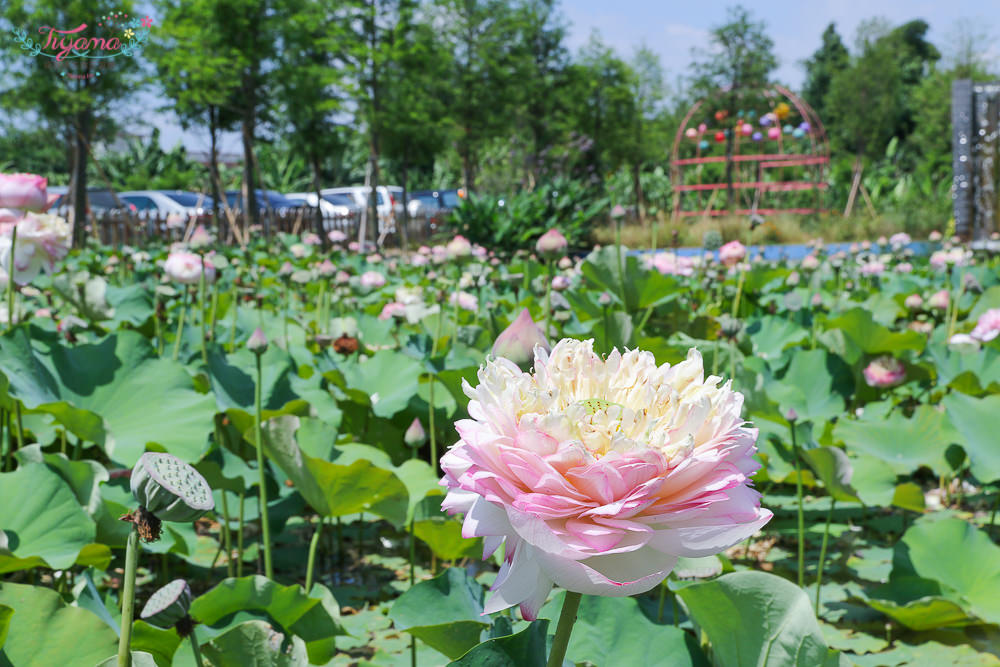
(514, 223)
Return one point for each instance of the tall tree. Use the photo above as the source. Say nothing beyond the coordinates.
(829, 59)
(75, 94)
(648, 91)
(739, 62)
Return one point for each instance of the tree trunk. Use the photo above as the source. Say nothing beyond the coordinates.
(81, 140)
(213, 169)
(314, 161)
(637, 188)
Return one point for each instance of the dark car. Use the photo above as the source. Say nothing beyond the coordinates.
(100, 201)
(266, 199)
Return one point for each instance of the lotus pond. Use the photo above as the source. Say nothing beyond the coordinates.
(315, 388)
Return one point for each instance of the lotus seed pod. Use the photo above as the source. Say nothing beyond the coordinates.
(170, 489)
(168, 605)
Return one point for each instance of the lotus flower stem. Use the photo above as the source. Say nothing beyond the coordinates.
(10, 281)
(201, 312)
(621, 260)
(235, 305)
(954, 305)
(239, 537)
(258, 439)
(7, 453)
(320, 306)
(128, 598)
(798, 494)
(996, 503)
(17, 422)
(567, 617)
(226, 535)
(197, 650)
(157, 334)
(312, 553)
(822, 553)
(180, 325)
(739, 293)
(213, 310)
(548, 298)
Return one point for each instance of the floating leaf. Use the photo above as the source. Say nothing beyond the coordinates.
(445, 612)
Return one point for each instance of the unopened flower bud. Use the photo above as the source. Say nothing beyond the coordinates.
(257, 342)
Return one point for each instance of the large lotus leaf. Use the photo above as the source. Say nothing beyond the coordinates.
(928, 612)
(771, 335)
(45, 631)
(133, 304)
(389, 378)
(929, 653)
(855, 332)
(971, 569)
(975, 419)
(445, 612)
(904, 443)
(808, 386)
(139, 659)
(314, 617)
(442, 533)
(642, 288)
(612, 631)
(161, 643)
(42, 522)
(84, 477)
(834, 469)
(972, 372)
(526, 648)
(755, 618)
(254, 644)
(103, 392)
(360, 478)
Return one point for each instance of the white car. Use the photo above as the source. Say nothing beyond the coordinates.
(385, 202)
(170, 204)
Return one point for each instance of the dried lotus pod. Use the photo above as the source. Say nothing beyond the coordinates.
(170, 489)
(168, 606)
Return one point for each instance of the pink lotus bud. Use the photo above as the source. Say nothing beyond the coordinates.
(257, 343)
(415, 435)
(791, 415)
(618, 212)
(732, 253)
(326, 268)
(200, 237)
(23, 191)
(311, 238)
(988, 326)
(939, 300)
(884, 372)
(565, 263)
(392, 309)
(372, 280)
(342, 278)
(336, 236)
(914, 302)
(286, 269)
(604, 299)
(517, 342)
(560, 283)
(459, 247)
(186, 268)
(551, 244)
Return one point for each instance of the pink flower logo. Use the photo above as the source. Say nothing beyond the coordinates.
(147, 22)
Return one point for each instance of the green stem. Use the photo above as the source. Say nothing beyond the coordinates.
(180, 325)
(739, 293)
(320, 304)
(7, 452)
(235, 305)
(663, 598)
(621, 260)
(10, 281)
(430, 425)
(284, 301)
(996, 503)
(567, 617)
(798, 494)
(239, 537)
(259, 441)
(822, 553)
(197, 651)
(157, 334)
(17, 422)
(548, 299)
(201, 312)
(128, 598)
(312, 553)
(226, 535)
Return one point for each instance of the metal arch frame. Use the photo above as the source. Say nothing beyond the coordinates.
(818, 155)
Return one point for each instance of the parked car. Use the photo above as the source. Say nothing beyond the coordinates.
(440, 202)
(266, 199)
(100, 201)
(169, 204)
(333, 206)
(385, 203)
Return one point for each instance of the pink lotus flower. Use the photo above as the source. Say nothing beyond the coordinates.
(342, 278)
(326, 268)
(42, 240)
(551, 244)
(186, 267)
(899, 240)
(311, 238)
(424, 250)
(988, 326)
(336, 236)
(597, 474)
(372, 280)
(560, 283)
(391, 310)
(939, 300)
(459, 247)
(934, 236)
(873, 268)
(914, 302)
(732, 253)
(518, 341)
(810, 262)
(200, 237)
(904, 267)
(464, 300)
(24, 192)
(353, 246)
(884, 372)
(419, 260)
(670, 264)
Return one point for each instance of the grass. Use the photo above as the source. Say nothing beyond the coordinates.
(776, 229)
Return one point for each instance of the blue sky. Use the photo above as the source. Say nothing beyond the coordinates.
(672, 28)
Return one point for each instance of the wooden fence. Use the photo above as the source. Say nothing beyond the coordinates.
(117, 228)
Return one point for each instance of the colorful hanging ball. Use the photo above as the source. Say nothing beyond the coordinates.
(798, 133)
(787, 129)
(782, 110)
(720, 136)
(804, 126)
(721, 114)
(751, 114)
(773, 132)
(703, 145)
(701, 128)
(757, 136)
(739, 114)
(747, 129)
(690, 133)
(765, 120)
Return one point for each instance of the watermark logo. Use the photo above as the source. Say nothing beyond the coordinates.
(114, 35)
